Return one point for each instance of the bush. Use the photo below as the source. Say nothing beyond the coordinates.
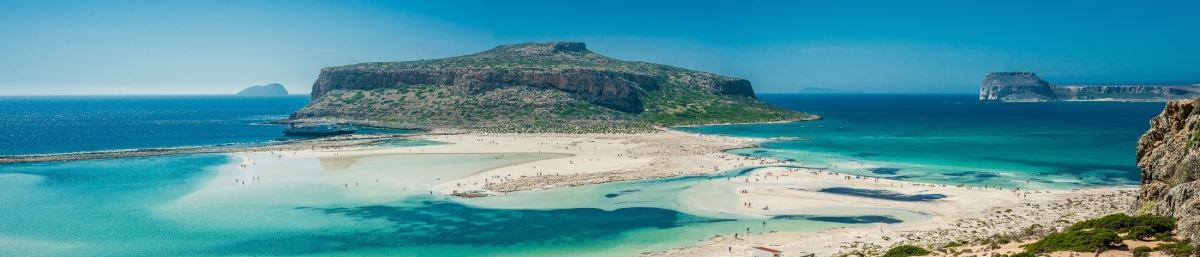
(1024, 254)
(1079, 241)
(905, 251)
(1178, 249)
(1122, 223)
(1141, 251)
(1140, 232)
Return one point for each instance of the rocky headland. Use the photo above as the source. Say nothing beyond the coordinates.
(274, 89)
(1170, 161)
(534, 87)
(1028, 87)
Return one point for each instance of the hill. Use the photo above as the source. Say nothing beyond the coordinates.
(534, 87)
(1028, 87)
(264, 90)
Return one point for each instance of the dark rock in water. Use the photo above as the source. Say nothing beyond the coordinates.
(1028, 87)
(611, 195)
(265, 90)
(1169, 157)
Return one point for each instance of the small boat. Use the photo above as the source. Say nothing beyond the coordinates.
(820, 126)
(319, 129)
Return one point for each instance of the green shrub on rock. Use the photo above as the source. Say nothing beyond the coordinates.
(905, 251)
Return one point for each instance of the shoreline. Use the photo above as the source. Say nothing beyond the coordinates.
(304, 144)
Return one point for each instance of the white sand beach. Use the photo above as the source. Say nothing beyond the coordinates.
(963, 213)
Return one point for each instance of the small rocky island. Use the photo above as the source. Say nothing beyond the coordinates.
(274, 89)
(1027, 87)
(533, 87)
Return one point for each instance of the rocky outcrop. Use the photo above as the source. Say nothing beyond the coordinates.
(1169, 157)
(1028, 87)
(533, 85)
(613, 89)
(265, 90)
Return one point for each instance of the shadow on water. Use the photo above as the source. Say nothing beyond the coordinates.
(884, 170)
(864, 219)
(882, 194)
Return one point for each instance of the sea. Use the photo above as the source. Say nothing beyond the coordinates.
(68, 124)
(202, 205)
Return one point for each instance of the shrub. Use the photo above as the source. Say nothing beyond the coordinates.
(905, 251)
(1079, 241)
(1122, 223)
(1178, 249)
(1141, 251)
(1140, 232)
(1024, 254)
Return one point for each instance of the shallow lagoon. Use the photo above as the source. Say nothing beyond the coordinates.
(206, 205)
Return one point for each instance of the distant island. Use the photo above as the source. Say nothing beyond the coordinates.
(1027, 87)
(534, 87)
(821, 90)
(273, 89)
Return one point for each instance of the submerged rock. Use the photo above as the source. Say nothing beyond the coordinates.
(1169, 157)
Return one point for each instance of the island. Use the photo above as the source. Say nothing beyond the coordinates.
(274, 89)
(534, 87)
(1028, 87)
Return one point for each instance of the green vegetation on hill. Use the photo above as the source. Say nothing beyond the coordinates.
(535, 87)
(906, 251)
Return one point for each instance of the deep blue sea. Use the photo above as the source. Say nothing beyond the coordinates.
(958, 139)
(64, 124)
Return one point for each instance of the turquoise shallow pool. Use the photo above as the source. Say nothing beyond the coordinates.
(957, 139)
(379, 205)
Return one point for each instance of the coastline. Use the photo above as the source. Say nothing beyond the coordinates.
(965, 214)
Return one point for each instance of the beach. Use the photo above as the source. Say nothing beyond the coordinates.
(768, 188)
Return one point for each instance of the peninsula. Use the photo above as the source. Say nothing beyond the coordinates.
(534, 87)
(1027, 87)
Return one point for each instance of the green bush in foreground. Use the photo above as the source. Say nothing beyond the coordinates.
(1141, 251)
(1122, 223)
(1023, 254)
(1140, 232)
(1079, 241)
(905, 251)
(1178, 249)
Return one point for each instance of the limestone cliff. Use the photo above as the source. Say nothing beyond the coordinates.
(533, 87)
(1169, 157)
(1028, 87)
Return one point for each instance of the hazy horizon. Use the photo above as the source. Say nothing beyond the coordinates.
(221, 47)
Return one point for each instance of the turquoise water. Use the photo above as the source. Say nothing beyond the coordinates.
(378, 205)
(957, 139)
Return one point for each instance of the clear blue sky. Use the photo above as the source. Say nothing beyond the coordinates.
(220, 47)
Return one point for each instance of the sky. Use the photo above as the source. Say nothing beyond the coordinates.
(221, 47)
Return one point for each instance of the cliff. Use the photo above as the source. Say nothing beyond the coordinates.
(264, 90)
(1028, 87)
(533, 87)
(1169, 157)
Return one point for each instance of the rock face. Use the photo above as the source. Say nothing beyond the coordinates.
(1027, 87)
(1169, 157)
(265, 90)
(537, 84)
